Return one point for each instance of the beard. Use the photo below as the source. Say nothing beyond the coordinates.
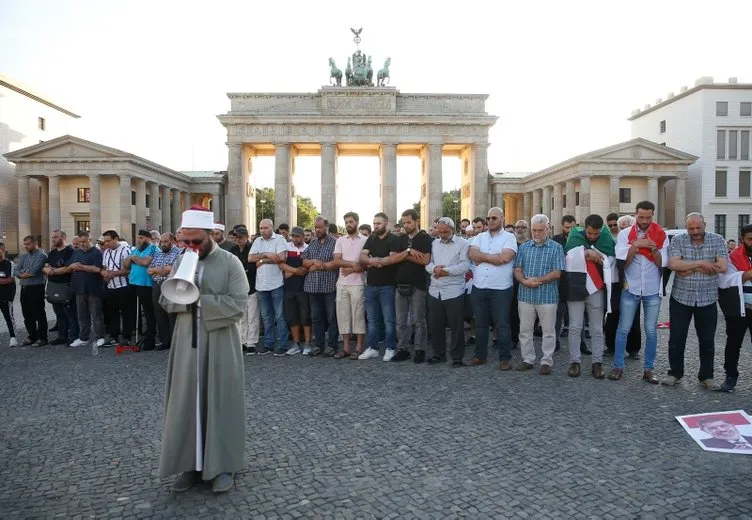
(204, 249)
(166, 249)
(351, 230)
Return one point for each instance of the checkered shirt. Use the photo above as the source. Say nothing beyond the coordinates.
(537, 261)
(162, 259)
(321, 282)
(697, 289)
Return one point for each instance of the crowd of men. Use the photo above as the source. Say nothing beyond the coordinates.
(316, 292)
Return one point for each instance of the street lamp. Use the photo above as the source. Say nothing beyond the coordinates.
(262, 201)
(455, 213)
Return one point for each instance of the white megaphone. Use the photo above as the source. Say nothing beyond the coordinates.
(181, 289)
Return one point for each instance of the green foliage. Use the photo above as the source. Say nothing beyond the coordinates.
(265, 199)
(449, 208)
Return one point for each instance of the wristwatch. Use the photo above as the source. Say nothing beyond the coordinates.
(409, 250)
(261, 261)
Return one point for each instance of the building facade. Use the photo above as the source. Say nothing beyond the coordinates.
(26, 118)
(714, 122)
(608, 180)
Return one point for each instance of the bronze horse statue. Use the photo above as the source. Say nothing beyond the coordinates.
(334, 73)
(382, 78)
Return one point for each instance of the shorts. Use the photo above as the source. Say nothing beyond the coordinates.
(297, 309)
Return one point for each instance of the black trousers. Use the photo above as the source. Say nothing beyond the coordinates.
(115, 302)
(706, 319)
(165, 321)
(514, 315)
(736, 329)
(34, 314)
(6, 307)
(140, 306)
(443, 312)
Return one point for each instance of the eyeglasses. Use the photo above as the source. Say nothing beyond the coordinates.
(194, 242)
(493, 218)
(520, 227)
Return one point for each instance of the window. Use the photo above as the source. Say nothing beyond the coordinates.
(83, 195)
(133, 198)
(83, 225)
(663, 126)
(745, 108)
(721, 144)
(625, 195)
(563, 201)
(743, 221)
(148, 201)
(720, 225)
(42, 124)
(721, 108)
(720, 183)
(732, 143)
(160, 203)
(577, 198)
(744, 148)
(744, 184)
(552, 204)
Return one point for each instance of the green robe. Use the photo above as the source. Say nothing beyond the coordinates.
(221, 400)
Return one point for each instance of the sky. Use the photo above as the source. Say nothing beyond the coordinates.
(150, 77)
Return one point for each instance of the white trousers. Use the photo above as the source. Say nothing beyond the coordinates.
(546, 314)
(249, 325)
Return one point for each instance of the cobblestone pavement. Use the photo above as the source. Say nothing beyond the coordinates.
(80, 436)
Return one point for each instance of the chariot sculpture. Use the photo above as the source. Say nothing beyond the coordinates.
(359, 70)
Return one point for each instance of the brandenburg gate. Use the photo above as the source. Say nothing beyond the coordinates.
(360, 119)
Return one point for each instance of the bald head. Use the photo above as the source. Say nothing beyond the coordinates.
(266, 228)
(695, 227)
(495, 219)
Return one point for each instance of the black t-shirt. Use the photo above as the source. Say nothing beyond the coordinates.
(7, 291)
(59, 259)
(407, 271)
(230, 247)
(380, 248)
(250, 269)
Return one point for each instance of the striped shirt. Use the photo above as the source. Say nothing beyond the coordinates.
(536, 261)
(112, 260)
(162, 259)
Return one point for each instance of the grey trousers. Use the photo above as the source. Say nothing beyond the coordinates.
(414, 305)
(596, 306)
(90, 317)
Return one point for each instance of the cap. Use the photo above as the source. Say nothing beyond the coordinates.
(144, 233)
(446, 221)
(197, 218)
(469, 228)
(219, 226)
(297, 230)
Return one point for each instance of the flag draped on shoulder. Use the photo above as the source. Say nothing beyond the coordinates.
(584, 277)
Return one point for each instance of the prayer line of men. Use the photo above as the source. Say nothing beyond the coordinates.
(392, 287)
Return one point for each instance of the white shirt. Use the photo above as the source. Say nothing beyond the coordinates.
(643, 277)
(112, 260)
(489, 276)
(269, 276)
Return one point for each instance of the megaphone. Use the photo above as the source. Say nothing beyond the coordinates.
(181, 289)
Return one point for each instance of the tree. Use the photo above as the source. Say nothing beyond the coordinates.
(450, 206)
(265, 200)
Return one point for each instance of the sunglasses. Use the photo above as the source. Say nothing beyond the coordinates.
(194, 242)
(493, 218)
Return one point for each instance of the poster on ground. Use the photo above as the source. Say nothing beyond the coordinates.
(725, 432)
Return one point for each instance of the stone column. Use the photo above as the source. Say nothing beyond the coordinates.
(558, 210)
(125, 208)
(166, 220)
(388, 158)
(53, 187)
(614, 184)
(680, 204)
(480, 181)
(236, 193)
(571, 199)
(510, 208)
(536, 202)
(432, 209)
(175, 209)
(527, 203)
(24, 211)
(498, 196)
(155, 214)
(329, 181)
(653, 192)
(282, 185)
(140, 187)
(584, 198)
(95, 206)
(186, 196)
(546, 205)
(44, 215)
(520, 208)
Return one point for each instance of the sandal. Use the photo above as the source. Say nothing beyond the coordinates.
(356, 354)
(341, 354)
(329, 352)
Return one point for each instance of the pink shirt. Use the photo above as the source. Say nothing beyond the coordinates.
(350, 249)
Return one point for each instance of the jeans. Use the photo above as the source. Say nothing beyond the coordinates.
(380, 310)
(272, 305)
(634, 339)
(7, 309)
(736, 328)
(33, 310)
(89, 310)
(491, 307)
(706, 319)
(67, 322)
(324, 319)
(414, 305)
(628, 307)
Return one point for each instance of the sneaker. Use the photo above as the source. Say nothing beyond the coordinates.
(307, 350)
(294, 350)
(251, 351)
(708, 384)
(262, 351)
(420, 357)
(244, 348)
(280, 352)
(99, 342)
(316, 351)
(78, 343)
(670, 381)
(389, 354)
(370, 353)
(729, 384)
(13, 342)
(471, 340)
(110, 343)
(401, 355)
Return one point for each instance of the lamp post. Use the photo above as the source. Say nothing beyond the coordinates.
(455, 202)
(262, 201)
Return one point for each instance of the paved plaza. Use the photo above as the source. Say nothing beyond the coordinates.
(80, 438)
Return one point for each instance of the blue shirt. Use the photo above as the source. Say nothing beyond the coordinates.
(81, 281)
(537, 261)
(138, 274)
